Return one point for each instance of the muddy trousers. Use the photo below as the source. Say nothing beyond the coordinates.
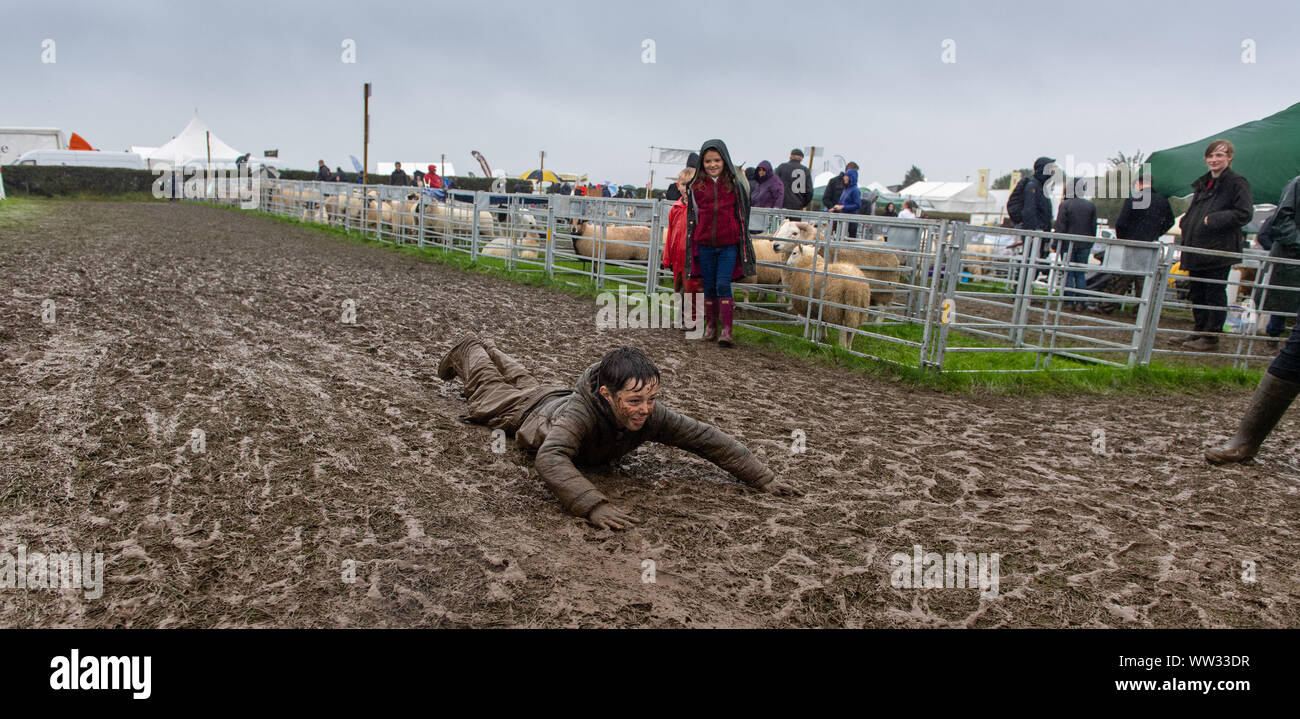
(497, 388)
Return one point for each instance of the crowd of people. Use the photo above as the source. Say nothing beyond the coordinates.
(419, 178)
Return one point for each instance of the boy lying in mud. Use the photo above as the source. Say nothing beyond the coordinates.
(609, 413)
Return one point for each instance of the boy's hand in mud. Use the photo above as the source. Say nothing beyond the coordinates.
(782, 488)
(607, 516)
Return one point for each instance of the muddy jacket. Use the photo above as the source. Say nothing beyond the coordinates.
(577, 429)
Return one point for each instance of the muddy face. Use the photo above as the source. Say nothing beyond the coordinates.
(632, 407)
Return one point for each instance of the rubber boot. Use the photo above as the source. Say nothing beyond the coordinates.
(1272, 397)
(447, 367)
(710, 320)
(726, 306)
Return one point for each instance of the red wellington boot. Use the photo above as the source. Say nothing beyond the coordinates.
(725, 307)
(710, 320)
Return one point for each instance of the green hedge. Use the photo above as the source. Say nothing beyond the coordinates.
(60, 180)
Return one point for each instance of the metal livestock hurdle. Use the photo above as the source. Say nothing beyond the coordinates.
(963, 288)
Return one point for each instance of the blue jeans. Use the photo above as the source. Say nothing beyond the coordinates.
(716, 266)
(1077, 280)
(1276, 324)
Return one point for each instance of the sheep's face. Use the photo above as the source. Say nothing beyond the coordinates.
(799, 253)
(791, 230)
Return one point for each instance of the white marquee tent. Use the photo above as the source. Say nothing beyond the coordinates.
(191, 146)
(956, 197)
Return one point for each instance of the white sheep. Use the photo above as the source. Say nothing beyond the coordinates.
(630, 242)
(852, 290)
(878, 264)
(501, 246)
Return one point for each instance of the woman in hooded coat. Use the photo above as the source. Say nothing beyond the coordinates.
(768, 192)
(718, 248)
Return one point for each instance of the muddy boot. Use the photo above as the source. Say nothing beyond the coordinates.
(726, 306)
(1272, 397)
(447, 367)
(1204, 343)
(710, 320)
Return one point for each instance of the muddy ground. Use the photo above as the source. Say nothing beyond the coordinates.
(331, 445)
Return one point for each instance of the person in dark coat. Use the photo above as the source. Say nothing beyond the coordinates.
(1221, 206)
(890, 210)
(796, 182)
(1143, 224)
(1037, 214)
(831, 195)
(399, 176)
(610, 412)
(338, 174)
(323, 172)
(850, 199)
(768, 190)
(1037, 211)
(1077, 215)
(718, 248)
(1284, 236)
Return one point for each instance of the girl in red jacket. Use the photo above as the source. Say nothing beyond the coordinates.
(675, 252)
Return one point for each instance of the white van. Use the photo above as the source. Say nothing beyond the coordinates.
(83, 158)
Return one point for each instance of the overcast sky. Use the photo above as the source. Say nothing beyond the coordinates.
(865, 80)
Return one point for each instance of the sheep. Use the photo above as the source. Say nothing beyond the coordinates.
(406, 217)
(500, 246)
(980, 257)
(460, 219)
(766, 251)
(852, 290)
(883, 266)
(621, 242)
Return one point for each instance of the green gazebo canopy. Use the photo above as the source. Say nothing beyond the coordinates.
(1267, 153)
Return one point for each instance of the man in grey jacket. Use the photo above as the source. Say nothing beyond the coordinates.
(609, 413)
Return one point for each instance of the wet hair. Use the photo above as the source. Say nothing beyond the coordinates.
(1225, 145)
(619, 366)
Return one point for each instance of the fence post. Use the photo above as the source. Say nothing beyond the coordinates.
(951, 277)
(1024, 288)
(1154, 288)
(550, 241)
(934, 273)
(652, 267)
(473, 228)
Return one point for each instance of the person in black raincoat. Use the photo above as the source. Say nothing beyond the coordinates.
(718, 247)
(1220, 208)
